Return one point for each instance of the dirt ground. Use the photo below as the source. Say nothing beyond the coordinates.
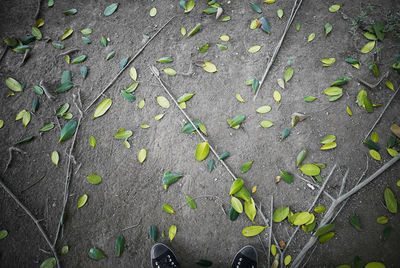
(133, 193)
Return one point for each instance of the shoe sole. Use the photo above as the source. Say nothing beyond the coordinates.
(164, 246)
(248, 246)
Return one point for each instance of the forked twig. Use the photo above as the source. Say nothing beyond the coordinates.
(10, 150)
(46, 92)
(35, 220)
(127, 65)
(373, 86)
(384, 110)
(295, 8)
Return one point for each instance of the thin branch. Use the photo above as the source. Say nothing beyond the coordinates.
(3, 53)
(33, 184)
(156, 73)
(270, 231)
(384, 110)
(68, 172)
(37, 10)
(133, 226)
(309, 256)
(295, 8)
(343, 183)
(127, 65)
(26, 56)
(373, 86)
(27, 211)
(46, 92)
(329, 214)
(262, 244)
(314, 185)
(69, 51)
(10, 150)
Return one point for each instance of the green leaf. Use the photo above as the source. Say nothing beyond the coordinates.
(96, 254)
(123, 63)
(355, 221)
(280, 214)
(236, 121)
(92, 141)
(255, 7)
(328, 139)
(71, 11)
(36, 33)
(288, 74)
(390, 200)
(379, 29)
(382, 220)
(123, 134)
(211, 164)
(334, 8)
(300, 157)
(310, 169)
(341, 81)
(204, 263)
(82, 200)
(246, 166)
(189, 6)
(328, 28)
(311, 37)
(169, 71)
(375, 155)
(192, 204)
(168, 209)
(243, 193)
(110, 55)
(233, 215)
(236, 186)
(165, 60)
(120, 245)
(224, 155)
(172, 232)
(170, 178)
(86, 39)
(13, 84)
(50, 3)
(236, 204)
(279, 12)
(202, 151)
(86, 31)
(368, 47)
(204, 48)
(84, 71)
(103, 41)
(24, 140)
(3, 234)
(132, 87)
(68, 130)
(301, 218)
(79, 59)
(67, 33)
(287, 260)
(185, 97)
(38, 90)
(250, 209)
(320, 209)
(253, 230)
(128, 96)
(386, 232)
(324, 229)
(329, 146)
(255, 85)
(49, 263)
(64, 250)
(47, 127)
(58, 45)
(102, 108)
(194, 30)
(153, 231)
(55, 158)
(64, 87)
(94, 178)
(26, 118)
(286, 177)
(110, 9)
(210, 10)
(142, 155)
(326, 237)
(285, 133)
(263, 109)
(222, 47)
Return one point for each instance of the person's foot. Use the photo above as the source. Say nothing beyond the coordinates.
(245, 258)
(163, 257)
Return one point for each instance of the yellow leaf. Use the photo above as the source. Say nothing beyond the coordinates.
(209, 67)
(311, 37)
(102, 108)
(141, 104)
(287, 260)
(349, 111)
(329, 146)
(253, 24)
(158, 117)
(368, 47)
(133, 73)
(183, 31)
(389, 85)
(163, 102)
(254, 189)
(281, 83)
(26, 118)
(395, 129)
(254, 49)
(169, 71)
(142, 155)
(1, 123)
(182, 105)
(374, 137)
(55, 158)
(253, 230)
(392, 152)
(39, 22)
(273, 250)
(333, 91)
(328, 62)
(334, 8)
(269, 1)
(236, 204)
(172, 232)
(224, 38)
(82, 200)
(202, 151)
(67, 33)
(356, 65)
(266, 124)
(375, 155)
(277, 96)
(153, 12)
(263, 109)
(239, 98)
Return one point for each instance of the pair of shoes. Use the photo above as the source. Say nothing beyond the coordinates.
(163, 257)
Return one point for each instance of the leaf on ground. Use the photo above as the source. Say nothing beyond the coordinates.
(94, 178)
(253, 230)
(153, 11)
(82, 200)
(266, 124)
(68, 130)
(280, 214)
(368, 47)
(277, 96)
(172, 232)
(334, 8)
(168, 209)
(111, 9)
(310, 169)
(120, 245)
(236, 204)
(254, 49)
(55, 158)
(96, 254)
(163, 102)
(390, 200)
(142, 155)
(209, 67)
(263, 109)
(355, 221)
(102, 108)
(191, 203)
(288, 74)
(311, 37)
(202, 151)
(246, 166)
(67, 33)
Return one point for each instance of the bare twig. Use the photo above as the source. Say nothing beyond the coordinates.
(46, 92)
(27, 211)
(315, 185)
(68, 172)
(384, 110)
(133, 226)
(309, 256)
(127, 65)
(295, 8)
(270, 231)
(33, 184)
(69, 51)
(26, 56)
(373, 86)
(37, 10)
(262, 244)
(330, 213)
(343, 183)
(3, 53)
(155, 71)
(10, 150)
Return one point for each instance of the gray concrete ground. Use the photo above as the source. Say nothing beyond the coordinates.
(132, 193)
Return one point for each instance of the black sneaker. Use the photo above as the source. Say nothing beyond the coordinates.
(163, 257)
(245, 258)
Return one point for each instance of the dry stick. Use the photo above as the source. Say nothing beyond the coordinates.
(27, 211)
(296, 7)
(373, 86)
(270, 231)
(37, 10)
(266, 223)
(156, 73)
(321, 190)
(69, 51)
(46, 92)
(33, 184)
(68, 173)
(329, 214)
(133, 226)
(384, 110)
(315, 185)
(127, 65)
(10, 150)
(3, 53)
